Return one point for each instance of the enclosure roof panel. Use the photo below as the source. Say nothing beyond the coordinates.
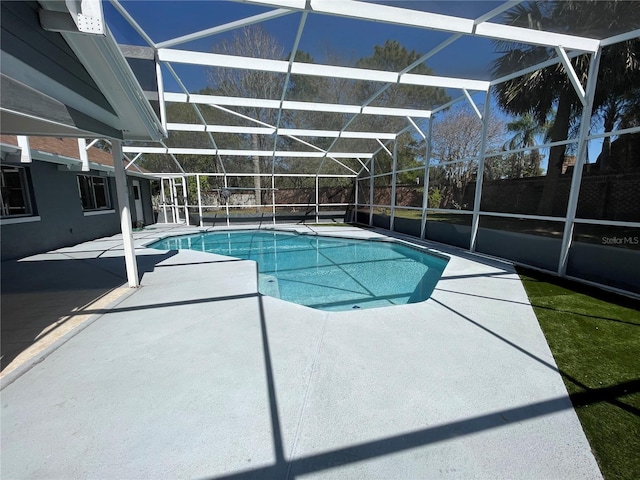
(315, 72)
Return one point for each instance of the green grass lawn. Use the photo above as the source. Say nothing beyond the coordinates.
(595, 340)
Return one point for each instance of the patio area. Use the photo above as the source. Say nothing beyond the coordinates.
(197, 375)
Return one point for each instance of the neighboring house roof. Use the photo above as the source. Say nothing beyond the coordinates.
(44, 148)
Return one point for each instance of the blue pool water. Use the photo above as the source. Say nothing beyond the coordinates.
(324, 272)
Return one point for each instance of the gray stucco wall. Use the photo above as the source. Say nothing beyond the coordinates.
(62, 221)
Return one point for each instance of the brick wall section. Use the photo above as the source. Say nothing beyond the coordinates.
(605, 197)
(308, 195)
(64, 147)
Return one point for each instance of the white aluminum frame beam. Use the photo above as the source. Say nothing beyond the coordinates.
(292, 56)
(195, 108)
(533, 68)
(472, 103)
(413, 124)
(620, 38)
(293, 105)
(244, 22)
(573, 76)
(330, 71)
(326, 153)
(192, 127)
(475, 220)
(133, 161)
(243, 153)
(432, 21)
(133, 23)
(251, 174)
(385, 148)
(576, 179)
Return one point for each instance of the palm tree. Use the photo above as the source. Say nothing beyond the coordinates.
(526, 129)
(540, 92)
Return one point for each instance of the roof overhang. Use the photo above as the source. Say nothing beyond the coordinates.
(11, 154)
(40, 98)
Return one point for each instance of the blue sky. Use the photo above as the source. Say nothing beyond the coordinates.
(169, 19)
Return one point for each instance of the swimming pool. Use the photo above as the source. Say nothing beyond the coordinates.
(325, 273)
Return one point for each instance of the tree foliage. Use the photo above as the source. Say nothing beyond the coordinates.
(549, 91)
(255, 42)
(525, 130)
(456, 143)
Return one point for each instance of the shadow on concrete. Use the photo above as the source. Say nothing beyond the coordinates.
(588, 395)
(291, 468)
(40, 294)
(285, 468)
(544, 307)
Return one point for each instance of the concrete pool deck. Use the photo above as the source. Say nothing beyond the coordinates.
(196, 375)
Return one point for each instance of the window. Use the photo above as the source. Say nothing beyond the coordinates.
(94, 193)
(16, 197)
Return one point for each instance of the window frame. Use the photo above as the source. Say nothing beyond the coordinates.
(25, 188)
(89, 194)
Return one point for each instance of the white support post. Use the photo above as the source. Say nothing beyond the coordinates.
(479, 176)
(371, 186)
(199, 201)
(394, 177)
(25, 149)
(164, 200)
(273, 196)
(161, 102)
(355, 203)
(227, 202)
(170, 188)
(317, 198)
(425, 193)
(576, 179)
(125, 215)
(185, 200)
(82, 150)
(174, 201)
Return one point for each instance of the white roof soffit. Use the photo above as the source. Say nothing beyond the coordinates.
(419, 19)
(105, 63)
(291, 105)
(281, 66)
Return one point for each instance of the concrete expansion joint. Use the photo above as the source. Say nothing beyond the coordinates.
(314, 368)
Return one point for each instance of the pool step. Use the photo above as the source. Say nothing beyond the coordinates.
(268, 285)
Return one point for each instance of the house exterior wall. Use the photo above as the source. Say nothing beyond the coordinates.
(62, 220)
